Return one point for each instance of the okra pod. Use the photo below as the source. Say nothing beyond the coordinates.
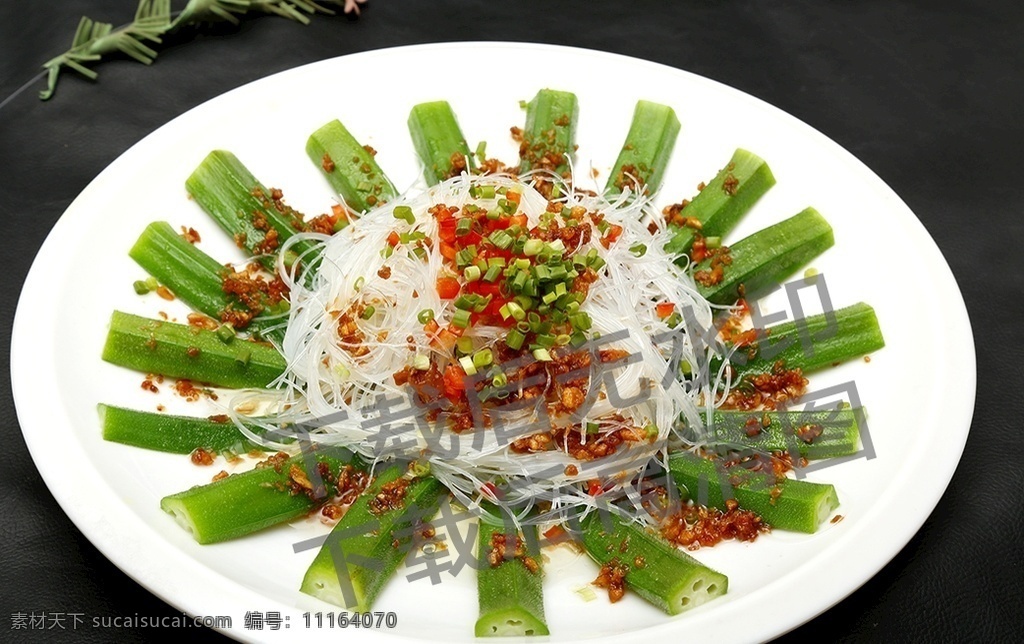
(782, 503)
(193, 276)
(549, 136)
(810, 434)
(763, 259)
(439, 141)
(244, 207)
(370, 541)
(180, 351)
(509, 588)
(349, 167)
(244, 503)
(815, 342)
(655, 569)
(723, 201)
(170, 433)
(641, 163)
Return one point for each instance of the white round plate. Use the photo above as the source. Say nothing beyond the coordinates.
(919, 390)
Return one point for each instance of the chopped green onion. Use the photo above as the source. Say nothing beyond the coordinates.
(492, 274)
(525, 302)
(404, 213)
(507, 205)
(481, 151)
(471, 273)
(483, 358)
(151, 283)
(518, 282)
(226, 333)
(533, 247)
(368, 312)
(515, 338)
(464, 345)
(482, 303)
(534, 321)
(499, 380)
(464, 226)
(421, 362)
(467, 365)
(546, 340)
(592, 428)
(425, 316)
(501, 239)
(516, 311)
(581, 321)
(486, 192)
(542, 355)
(638, 249)
(461, 319)
(141, 288)
(712, 242)
(651, 431)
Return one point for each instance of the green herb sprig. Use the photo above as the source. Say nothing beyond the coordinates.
(154, 19)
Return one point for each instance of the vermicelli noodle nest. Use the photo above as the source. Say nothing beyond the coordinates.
(345, 393)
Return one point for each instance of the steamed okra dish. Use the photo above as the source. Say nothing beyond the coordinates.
(566, 365)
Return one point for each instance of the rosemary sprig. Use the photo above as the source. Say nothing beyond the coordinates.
(154, 19)
(93, 40)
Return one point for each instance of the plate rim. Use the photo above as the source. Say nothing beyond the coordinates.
(117, 549)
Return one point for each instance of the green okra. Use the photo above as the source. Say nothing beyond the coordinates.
(764, 259)
(171, 433)
(783, 503)
(243, 207)
(349, 167)
(809, 434)
(194, 277)
(549, 136)
(244, 503)
(439, 141)
(510, 593)
(367, 545)
(724, 200)
(813, 343)
(180, 351)
(646, 151)
(655, 569)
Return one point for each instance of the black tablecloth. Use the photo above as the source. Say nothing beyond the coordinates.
(928, 96)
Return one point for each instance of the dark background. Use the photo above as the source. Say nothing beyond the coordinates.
(927, 96)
